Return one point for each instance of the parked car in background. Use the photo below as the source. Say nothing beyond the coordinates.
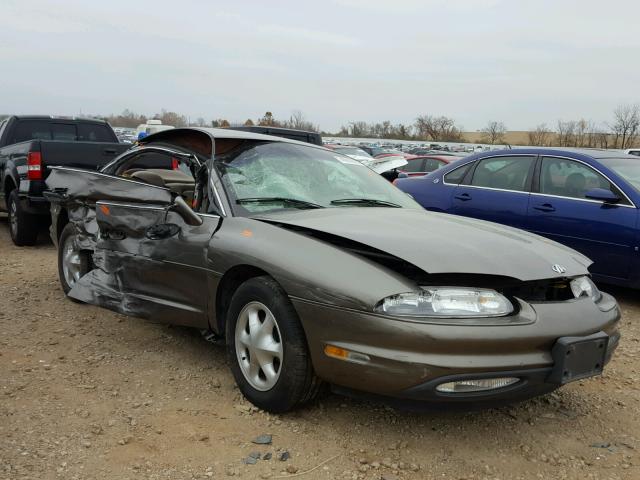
(419, 165)
(313, 138)
(312, 270)
(394, 154)
(152, 126)
(374, 151)
(385, 165)
(585, 199)
(29, 145)
(430, 151)
(351, 151)
(633, 151)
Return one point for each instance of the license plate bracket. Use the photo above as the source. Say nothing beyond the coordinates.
(575, 358)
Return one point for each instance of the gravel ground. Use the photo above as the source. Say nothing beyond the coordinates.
(86, 393)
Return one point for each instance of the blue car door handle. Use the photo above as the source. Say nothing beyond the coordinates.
(545, 207)
(463, 196)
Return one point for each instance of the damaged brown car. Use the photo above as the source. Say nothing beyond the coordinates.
(315, 270)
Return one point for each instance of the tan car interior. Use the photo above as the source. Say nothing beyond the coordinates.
(178, 182)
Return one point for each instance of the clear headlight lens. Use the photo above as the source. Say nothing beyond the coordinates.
(584, 287)
(446, 302)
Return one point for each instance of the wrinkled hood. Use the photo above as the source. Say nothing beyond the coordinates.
(441, 243)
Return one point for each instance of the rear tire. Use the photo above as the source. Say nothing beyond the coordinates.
(22, 226)
(272, 366)
(73, 263)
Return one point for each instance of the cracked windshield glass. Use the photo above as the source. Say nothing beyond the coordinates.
(273, 176)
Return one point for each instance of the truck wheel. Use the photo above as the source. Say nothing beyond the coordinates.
(267, 348)
(23, 227)
(73, 263)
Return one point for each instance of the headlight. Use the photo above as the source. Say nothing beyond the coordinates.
(446, 302)
(584, 287)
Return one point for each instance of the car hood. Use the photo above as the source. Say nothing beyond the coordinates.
(440, 243)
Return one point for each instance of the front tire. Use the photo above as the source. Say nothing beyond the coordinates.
(22, 226)
(73, 263)
(267, 347)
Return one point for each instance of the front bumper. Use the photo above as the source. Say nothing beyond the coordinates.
(409, 359)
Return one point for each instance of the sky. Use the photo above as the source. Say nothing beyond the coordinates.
(522, 62)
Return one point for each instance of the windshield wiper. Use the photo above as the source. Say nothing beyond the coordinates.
(285, 200)
(368, 202)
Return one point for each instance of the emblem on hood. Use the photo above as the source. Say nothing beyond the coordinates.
(558, 268)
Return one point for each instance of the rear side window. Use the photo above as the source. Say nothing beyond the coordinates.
(504, 173)
(454, 177)
(94, 132)
(150, 160)
(414, 165)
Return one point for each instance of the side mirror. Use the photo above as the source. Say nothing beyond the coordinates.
(403, 175)
(189, 216)
(602, 195)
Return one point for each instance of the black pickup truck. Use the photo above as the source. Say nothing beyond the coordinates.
(30, 144)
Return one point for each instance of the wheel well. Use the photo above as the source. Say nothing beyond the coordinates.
(63, 219)
(9, 186)
(229, 283)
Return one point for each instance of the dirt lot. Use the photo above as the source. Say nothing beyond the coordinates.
(87, 393)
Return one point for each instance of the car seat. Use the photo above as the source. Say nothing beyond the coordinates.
(574, 185)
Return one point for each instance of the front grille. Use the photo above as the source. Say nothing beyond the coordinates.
(544, 291)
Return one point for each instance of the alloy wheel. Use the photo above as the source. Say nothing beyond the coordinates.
(71, 261)
(13, 219)
(259, 346)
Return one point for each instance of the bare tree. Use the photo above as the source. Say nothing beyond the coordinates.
(127, 119)
(249, 123)
(267, 120)
(441, 128)
(566, 133)
(359, 129)
(626, 123)
(171, 118)
(540, 136)
(494, 133)
(299, 122)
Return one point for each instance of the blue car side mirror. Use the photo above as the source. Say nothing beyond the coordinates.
(602, 195)
(403, 175)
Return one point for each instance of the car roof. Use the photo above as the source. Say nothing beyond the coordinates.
(444, 158)
(222, 133)
(191, 138)
(595, 153)
(59, 118)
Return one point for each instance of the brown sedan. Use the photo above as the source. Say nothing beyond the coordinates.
(315, 270)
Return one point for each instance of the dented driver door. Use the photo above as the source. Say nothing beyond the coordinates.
(147, 261)
(161, 258)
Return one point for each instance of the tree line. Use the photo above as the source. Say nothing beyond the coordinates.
(622, 132)
(129, 119)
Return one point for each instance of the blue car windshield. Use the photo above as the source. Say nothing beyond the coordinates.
(627, 168)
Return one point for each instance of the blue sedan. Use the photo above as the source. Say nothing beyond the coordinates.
(585, 199)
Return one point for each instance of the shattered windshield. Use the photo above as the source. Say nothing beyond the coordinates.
(262, 176)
